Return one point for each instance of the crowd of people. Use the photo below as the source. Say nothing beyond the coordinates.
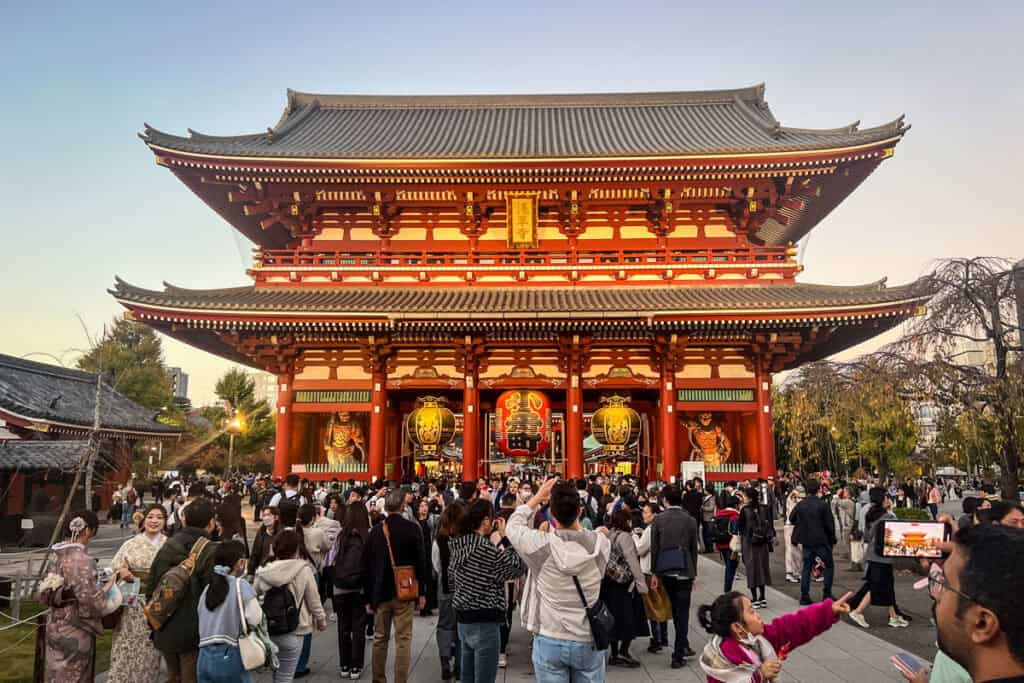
(590, 565)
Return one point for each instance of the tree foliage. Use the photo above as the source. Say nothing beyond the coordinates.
(131, 357)
(238, 389)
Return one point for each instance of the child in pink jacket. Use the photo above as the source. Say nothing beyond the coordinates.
(743, 649)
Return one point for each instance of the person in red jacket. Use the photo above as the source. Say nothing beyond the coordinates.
(724, 526)
(743, 649)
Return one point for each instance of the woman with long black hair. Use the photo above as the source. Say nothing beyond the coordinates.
(879, 587)
(220, 619)
(756, 538)
(448, 647)
(347, 596)
(621, 588)
(263, 543)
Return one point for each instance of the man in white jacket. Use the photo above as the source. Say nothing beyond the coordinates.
(551, 608)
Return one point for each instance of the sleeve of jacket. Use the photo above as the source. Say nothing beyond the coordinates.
(628, 546)
(422, 567)
(532, 545)
(830, 526)
(367, 566)
(312, 598)
(159, 567)
(507, 563)
(800, 627)
(655, 544)
(795, 514)
(694, 552)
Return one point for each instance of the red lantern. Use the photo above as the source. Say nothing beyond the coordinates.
(522, 423)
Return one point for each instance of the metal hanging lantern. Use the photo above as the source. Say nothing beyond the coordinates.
(615, 425)
(522, 424)
(430, 426)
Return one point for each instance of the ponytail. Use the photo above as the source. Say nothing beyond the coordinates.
(225, 557)
(718, 617)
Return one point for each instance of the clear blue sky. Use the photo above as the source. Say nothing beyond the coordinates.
(84, 201)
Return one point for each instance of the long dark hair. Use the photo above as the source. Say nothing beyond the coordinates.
(357, 519)
(228, 553)
(450, 521)
(477, 512)
(718, 617)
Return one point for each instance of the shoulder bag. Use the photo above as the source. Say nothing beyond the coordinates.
(254, 654)
(602, 623)
(407, 586)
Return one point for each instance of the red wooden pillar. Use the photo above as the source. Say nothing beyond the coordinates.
(573, 424)
(378, 418)
(765, 430)
(667, 413)
(470, 427)
(283, 438)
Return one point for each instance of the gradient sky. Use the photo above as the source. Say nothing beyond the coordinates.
(84, 201)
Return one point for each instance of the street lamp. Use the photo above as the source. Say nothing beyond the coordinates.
(236, 425)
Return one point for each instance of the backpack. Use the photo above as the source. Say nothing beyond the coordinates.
(596, 518)
(267, 496)
(618, 569)
(761, 532)
(281, 611)
(289, 509)
(723, 526)
(172, 587)
(348, 563)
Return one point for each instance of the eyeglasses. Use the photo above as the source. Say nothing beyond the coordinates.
(937, 582)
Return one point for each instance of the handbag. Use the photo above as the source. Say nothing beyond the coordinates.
(407, 586)
(672, 559)
(250, 647)
(657, 605)
(602, 623)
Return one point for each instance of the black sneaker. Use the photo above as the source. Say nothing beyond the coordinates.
(678, 663)
(688, 652)
(654, 648)
(628, 662)
(806, 601)
(355, 673)
(301, 674)
(343, 672)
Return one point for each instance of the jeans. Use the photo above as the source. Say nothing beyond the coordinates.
(447, 628)
(730, 568)
(289, 647)
(126, 515)
(934, 509)
(566, 661)
(679, 593)
(307, 649)
(351, 612)
(659, 632)
(400, 614)
(810, 552)
(221, 663)
(479, 652)
(707, 535)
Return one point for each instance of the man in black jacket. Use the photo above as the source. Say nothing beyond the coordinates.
(815, 530)
(674, 564)
(379, 586)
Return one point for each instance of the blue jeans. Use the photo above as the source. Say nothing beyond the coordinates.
(220, 664)
(307, 647)
(480, 645)
(730, 568)
(566, 661)
(126, 515)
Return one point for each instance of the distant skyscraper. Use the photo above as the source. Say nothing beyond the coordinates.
(179, 382)
(266, 388)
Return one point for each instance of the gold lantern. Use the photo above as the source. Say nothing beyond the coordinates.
(615, 425)
(430, 426)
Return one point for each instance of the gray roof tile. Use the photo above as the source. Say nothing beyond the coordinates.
(37, 455)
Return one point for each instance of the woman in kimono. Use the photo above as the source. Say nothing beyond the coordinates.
(133, 659)
(76, 602)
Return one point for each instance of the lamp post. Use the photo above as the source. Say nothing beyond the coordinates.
(234, 426)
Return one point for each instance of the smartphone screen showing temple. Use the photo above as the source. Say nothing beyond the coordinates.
(913, 539)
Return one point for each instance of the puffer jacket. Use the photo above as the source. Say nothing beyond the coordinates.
(551, 606)
(298, 575)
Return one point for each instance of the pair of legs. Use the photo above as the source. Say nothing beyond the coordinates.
(289, 647)
(480, 645)
(566, 661)
(811, 552)
(731, 565)
(659, 634)
(757, 594)
(448, 647)
(400, 614)
(351, 613)
(679, 593)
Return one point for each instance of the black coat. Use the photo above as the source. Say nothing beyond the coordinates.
(407, 545)
(674, 528)
(813, 523)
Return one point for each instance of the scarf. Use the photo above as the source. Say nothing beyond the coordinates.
(718, 666)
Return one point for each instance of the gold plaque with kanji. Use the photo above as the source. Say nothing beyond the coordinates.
(521, 211)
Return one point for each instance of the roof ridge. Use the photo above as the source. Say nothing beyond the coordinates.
(297, 99)
(73, 374)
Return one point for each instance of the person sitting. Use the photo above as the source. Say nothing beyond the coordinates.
(744, 649)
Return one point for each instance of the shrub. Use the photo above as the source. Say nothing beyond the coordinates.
(912, 514)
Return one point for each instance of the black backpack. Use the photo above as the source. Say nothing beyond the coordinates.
(281, 611)
(761, 532)
(288, 508)
(723, 534)
(348, 563)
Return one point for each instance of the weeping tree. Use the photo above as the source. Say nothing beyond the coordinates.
(966, 352)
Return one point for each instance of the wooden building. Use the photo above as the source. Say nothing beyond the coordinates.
(573, 247)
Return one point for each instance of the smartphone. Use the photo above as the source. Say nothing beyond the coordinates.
(914, 539)
(907, 663)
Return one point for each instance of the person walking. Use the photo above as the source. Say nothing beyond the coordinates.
(178, 637)
(225, 601)
(621, 588)
(843, 517)
(482, 560)
(674, 558)
(566, 565)
(263, 542)
(725, 524)
(288, 584)
(934, 496)
(757, 536)
(427, 522)
(794, 553)
(879, 587)
(448, 647)
(132, 655)
(659, 629)
(347, 596)
(398, 538)
(814, 529)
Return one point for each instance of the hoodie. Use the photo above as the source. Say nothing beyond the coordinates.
(551, 606)
(298, 575)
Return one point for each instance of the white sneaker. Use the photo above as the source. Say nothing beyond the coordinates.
(333, 617)
(502, 661)
(898, 622)
(792, 578)
(860, 620)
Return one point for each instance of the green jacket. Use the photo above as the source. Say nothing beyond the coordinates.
(180, 633)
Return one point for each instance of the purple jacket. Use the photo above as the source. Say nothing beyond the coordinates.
(795, 629)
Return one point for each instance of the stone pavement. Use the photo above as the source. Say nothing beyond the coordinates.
(844, 653)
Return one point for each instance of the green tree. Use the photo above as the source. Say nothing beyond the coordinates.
(131, 358)
(238, 389)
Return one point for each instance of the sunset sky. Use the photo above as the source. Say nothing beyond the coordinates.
(84, 201)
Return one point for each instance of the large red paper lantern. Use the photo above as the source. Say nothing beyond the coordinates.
(522, 424)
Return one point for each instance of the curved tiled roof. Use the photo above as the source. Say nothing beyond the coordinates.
(39, 455)
(481, 127)
(50, 393)
(484, 302)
